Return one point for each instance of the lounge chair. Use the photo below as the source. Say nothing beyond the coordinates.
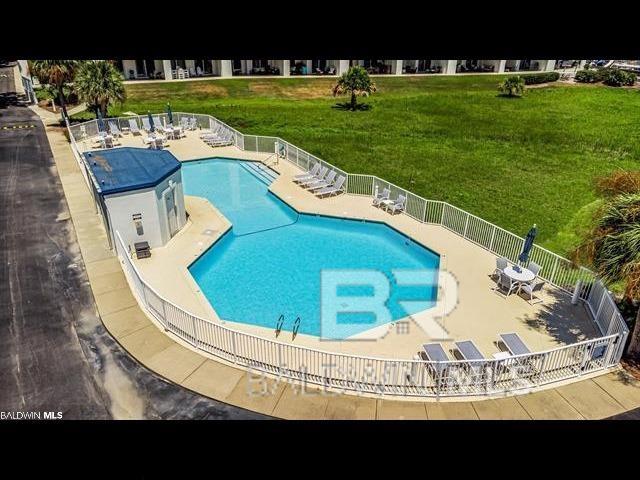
(501, 264)
(158, 143)
(225, 139)
(133, 127)
(514, 344)
(435, 353)
(146, 125)
(381, 197)
(469, 352)
(506, 285)
(325, 182)
(393, 206)
(323, 171)
(193, 123)
(310, 174)
(113, 128)
(157, 121)
(334, 189)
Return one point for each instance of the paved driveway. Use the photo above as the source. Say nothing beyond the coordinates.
(55, 354)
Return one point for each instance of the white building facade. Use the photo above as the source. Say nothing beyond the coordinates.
(142, 69)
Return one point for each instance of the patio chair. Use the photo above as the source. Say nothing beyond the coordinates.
(334, 189)
(535, 268)
(193, 123)
(506, 284)
(176, 133)
(325, 182)
(113, 128)
(393, 206)
(530, 288)
(133, 127)
(381, 197)
(310, 174)
(158, 143)
(108, 142)
(320, 175)
(501, 264)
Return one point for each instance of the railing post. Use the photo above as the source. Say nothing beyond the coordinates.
(466, 225)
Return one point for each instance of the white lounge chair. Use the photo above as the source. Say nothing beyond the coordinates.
(477, 362)
(193, 123)
(334, 189)
(325, 182)
(133, 127)
(381, 197)
(310, 174)
(321, 174)
(435, 353)
(393, 206)
(146, 125)
(113, 128)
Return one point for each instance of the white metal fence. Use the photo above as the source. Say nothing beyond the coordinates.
(379, 375)
(383, 376)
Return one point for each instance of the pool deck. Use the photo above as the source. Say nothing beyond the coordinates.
(598, 397)
(478, 314)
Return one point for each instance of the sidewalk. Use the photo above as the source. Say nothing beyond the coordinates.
(595, 398)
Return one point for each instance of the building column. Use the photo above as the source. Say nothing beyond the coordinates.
(166, 68)
(396, 67)
(286, 68)
(450, 67)
(500, 65)
(248, 67)
(581, 64)
(226, 68)
(343, 66)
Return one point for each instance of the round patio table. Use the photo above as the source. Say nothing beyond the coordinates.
(524, 275)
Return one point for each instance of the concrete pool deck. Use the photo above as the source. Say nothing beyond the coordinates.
(599, 397)
(479, 313)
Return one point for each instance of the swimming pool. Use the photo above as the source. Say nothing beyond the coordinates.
(272, 261)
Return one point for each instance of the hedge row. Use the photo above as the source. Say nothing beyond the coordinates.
(544, 77)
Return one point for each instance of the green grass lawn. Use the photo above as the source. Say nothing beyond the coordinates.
(513, 162)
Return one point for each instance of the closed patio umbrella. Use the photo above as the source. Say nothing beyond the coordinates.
(153, 127)
(100, 121)
(528, 244)
(169, 114)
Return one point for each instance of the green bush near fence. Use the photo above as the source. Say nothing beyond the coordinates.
(443, 137)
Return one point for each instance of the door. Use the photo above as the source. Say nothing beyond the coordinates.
(172, 211)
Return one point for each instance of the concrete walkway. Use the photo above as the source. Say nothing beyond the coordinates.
(595, 398)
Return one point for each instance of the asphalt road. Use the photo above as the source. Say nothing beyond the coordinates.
(55, 355)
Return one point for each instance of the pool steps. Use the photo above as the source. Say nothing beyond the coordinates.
(261, 171)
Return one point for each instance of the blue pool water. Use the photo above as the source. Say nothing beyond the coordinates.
(270, 263)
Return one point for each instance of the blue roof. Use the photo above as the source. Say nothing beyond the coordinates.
(129, 168)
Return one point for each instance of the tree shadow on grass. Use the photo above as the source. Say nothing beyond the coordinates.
(511, 97)
(347, 106)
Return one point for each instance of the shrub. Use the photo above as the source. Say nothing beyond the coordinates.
(512, 86)
(614, 77)
(588, 76)
(543, 77)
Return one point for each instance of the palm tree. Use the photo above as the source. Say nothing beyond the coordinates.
(613, 248)
(512, 86)
(354, 82)
(57, 74)
(99, 84)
